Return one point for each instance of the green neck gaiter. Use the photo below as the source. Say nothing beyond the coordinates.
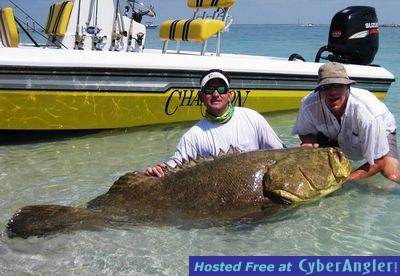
(223, 118)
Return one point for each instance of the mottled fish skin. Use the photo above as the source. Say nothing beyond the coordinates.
(219, 189)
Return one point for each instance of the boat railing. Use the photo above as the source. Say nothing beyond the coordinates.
(210, 19)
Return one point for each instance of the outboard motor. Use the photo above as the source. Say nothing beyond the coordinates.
(353, 36)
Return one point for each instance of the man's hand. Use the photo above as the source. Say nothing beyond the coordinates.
(158, 170)
(309, 145)
(309, 141)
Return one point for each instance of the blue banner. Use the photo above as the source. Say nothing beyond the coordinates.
(295, 265)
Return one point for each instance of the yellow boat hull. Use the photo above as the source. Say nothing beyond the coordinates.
(64, 110)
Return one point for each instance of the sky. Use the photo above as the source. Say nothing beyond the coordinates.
(248, 11)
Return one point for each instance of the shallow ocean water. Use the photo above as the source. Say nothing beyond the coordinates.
(360, 219)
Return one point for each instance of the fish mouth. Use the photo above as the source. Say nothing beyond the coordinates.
(282, 197)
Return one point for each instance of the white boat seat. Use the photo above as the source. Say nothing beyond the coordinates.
(57, 20)
(209, 20)
(8, 28)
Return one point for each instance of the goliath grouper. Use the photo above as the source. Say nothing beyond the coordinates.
(218, 189)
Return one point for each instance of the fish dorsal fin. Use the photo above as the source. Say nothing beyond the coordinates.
(233, 150)
(221, 153)
(191, 162)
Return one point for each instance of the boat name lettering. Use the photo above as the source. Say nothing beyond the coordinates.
(371, 25)
(190, 97)
(181, 97)
(239, 97)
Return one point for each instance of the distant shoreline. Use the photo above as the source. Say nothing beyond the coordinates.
(390, 25)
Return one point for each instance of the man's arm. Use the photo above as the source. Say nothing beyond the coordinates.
(388, 166)
(184, 149)
(364, 171)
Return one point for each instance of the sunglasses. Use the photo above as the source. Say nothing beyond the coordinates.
(330, 86)
(208, 90)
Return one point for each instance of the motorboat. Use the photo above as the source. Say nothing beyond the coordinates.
(94, 71)
(150, 25)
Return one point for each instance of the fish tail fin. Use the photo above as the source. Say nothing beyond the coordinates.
(43, 220)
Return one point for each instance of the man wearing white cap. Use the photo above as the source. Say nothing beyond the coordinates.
(336, 114)
(223, 125)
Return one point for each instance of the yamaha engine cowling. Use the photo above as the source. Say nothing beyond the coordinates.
(353, 36)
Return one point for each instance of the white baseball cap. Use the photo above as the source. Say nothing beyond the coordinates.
(213, 75)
